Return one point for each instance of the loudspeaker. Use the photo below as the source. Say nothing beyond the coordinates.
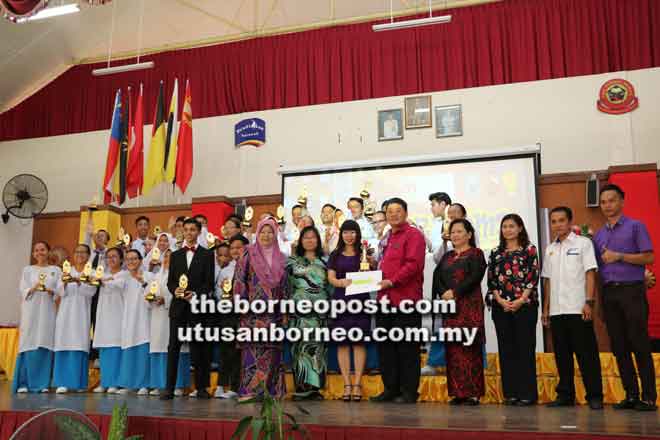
(593, 188)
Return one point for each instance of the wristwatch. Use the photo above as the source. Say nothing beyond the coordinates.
(590, 302)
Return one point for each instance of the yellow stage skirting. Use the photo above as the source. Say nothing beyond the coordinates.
(431, 389)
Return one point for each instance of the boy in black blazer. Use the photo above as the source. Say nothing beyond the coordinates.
(198, 264)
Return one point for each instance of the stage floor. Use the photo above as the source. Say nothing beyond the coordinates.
(579, 419)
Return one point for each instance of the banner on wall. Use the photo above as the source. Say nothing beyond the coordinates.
(250, 132)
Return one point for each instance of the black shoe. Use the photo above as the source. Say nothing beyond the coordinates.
(643, 405)
(471, 401)
(626, 404)
(457, 401)
(561, 402)
(405, 399)
(510, 401)
(203, 394)
(595, 404)
(167, 395)
(525, 402)
(383, 397)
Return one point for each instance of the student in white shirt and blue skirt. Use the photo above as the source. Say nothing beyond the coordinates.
(72, 341)
(37, 328)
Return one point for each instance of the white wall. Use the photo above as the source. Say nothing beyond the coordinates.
(561, 114)
(15, 241)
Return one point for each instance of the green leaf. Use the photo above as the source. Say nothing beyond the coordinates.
(256, 426)
(134, 437)
(76, 429)
(242, 427)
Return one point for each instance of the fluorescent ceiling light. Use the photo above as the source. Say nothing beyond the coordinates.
(405, 24)
(121, 69)
(52, 12)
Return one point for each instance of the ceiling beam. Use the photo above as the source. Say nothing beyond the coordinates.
(219, 18)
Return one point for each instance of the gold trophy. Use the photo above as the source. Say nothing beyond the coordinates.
(303, 197)
(364, 263)
(155, 255)
(210, 238)
(249, 213)
(66, 271)
(179, 239)
(86, 273)
(126, 240)
(153, 290)
(98, 276)
(41, 287)
(280, 215)
(226, 288)
(157, 231)
(94, 205)
(183, 284)
(120, 237)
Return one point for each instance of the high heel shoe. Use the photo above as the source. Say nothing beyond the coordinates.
(356, 397)
(347, 395)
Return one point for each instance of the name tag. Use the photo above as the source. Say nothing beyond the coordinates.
(573, 251)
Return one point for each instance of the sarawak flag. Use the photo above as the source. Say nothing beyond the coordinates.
(154, 172)
(135, 168)
(112, 161)
(184, 157)
(172, 136)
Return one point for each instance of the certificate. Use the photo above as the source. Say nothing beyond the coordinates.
(363, 282)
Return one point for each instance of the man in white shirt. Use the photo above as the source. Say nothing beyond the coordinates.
(202, 237)
(297, 213)
(569, 286)
(356, 207)
(142, 224)
(327, 229)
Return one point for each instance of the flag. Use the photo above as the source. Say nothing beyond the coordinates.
(154, 172)
(123, 154)
(184, 156)
(135, 168)
(172, 136)
(113, 151)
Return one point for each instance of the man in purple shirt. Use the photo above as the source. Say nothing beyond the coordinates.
(623, 248)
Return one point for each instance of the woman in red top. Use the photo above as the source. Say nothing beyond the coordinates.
(458, 277)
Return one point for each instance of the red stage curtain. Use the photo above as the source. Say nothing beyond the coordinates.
(497, 43)
(642, 203)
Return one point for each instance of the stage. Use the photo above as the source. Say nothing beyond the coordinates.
(215, 419)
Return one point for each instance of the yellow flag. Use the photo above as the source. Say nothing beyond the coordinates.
(154, 172)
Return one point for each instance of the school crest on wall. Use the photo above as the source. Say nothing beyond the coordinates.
(250, 132)
(617, 96)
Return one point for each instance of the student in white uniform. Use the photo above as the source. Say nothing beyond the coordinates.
(134, 371)
(107, 333)
(159, 338)
(436, 245)
(163, 244)
(70, 371)
(327, 229)
(291, 229)
(142, 224)
(201, 238)
(37, 328)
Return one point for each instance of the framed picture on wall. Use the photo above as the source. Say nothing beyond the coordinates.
(448, 121)
(418, 112)
(390, 124)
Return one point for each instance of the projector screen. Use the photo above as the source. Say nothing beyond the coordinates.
(488, 187)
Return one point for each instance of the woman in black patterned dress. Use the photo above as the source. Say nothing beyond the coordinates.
(458, 276)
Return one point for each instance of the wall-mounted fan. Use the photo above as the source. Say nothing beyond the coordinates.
(24, 196)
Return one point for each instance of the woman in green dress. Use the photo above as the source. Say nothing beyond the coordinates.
(308, 280)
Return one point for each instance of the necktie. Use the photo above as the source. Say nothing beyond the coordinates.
(97, 256)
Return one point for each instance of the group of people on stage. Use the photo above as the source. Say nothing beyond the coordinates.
(140, 304)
